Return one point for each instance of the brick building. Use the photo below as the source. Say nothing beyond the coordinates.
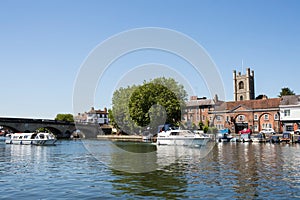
(244, 112)
(253, 114)
(197, 110)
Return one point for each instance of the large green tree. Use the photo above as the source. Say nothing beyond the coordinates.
(64, 117)
(285, 91)
(153, 101)
(159, 100)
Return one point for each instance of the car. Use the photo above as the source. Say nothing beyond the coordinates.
(268, 131)
(245, 131)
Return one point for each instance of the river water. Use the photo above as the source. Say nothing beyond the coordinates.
(71, 170)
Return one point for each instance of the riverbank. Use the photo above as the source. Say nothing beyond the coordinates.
(139, 138)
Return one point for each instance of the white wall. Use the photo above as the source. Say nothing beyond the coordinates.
(294, 113)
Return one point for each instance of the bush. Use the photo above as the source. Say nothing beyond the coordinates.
(205, 129)
(201, 125)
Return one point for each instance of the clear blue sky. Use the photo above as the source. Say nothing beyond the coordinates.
(44, 43)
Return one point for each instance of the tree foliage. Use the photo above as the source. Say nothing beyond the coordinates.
(261, 96)
(285, 91)
(64, 117)
(154, 101)
(135, 107)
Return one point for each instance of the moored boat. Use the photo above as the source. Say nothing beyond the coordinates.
(41, 138)
(181, 138)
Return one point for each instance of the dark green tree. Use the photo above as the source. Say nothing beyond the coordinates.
(285, 91)
(154, 101)
(134, 107)
(112, 119)
(64, 117)
(120, 111)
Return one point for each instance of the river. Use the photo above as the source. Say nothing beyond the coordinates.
(72, 169)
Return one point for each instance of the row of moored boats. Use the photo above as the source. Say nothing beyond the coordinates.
(285, 137)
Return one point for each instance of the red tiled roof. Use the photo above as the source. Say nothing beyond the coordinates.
(253, 104)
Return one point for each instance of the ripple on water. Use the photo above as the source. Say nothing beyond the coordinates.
(68, 170)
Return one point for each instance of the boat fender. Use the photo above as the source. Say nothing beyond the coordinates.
(21, 142)
(10, 142)
(31, 142)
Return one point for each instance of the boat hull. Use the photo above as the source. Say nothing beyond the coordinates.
(183, 141)
(31, 142)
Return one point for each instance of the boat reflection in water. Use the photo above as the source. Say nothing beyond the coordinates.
(168, 154)
(139, 157)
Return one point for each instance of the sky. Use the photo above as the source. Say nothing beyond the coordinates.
(44, 44)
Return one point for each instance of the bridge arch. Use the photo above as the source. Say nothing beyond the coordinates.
(9, 128)
(53, 130)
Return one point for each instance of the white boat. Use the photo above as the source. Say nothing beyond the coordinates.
(181, 138)
(30, 138)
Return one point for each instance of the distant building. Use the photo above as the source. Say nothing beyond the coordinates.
(197, 110)
(290, 112)
(243, 85)
(93, 116)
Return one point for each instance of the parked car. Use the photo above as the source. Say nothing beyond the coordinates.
(268, 131)
(245, 131)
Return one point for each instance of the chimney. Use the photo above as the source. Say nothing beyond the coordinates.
(216, 98)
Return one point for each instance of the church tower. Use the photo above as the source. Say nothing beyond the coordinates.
(243, 85)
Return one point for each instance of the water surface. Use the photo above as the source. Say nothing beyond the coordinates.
(68, 170)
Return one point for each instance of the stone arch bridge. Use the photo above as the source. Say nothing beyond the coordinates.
(61, 129)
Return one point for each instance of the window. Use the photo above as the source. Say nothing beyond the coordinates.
(218, 118)
(241, 118)
(241, 98)
(266, 116)
(241, 85)
(276, 116)
(227, 118)
(289, 128)
(255, 117)
(203, 118)
(255, 127)
(287, 113)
